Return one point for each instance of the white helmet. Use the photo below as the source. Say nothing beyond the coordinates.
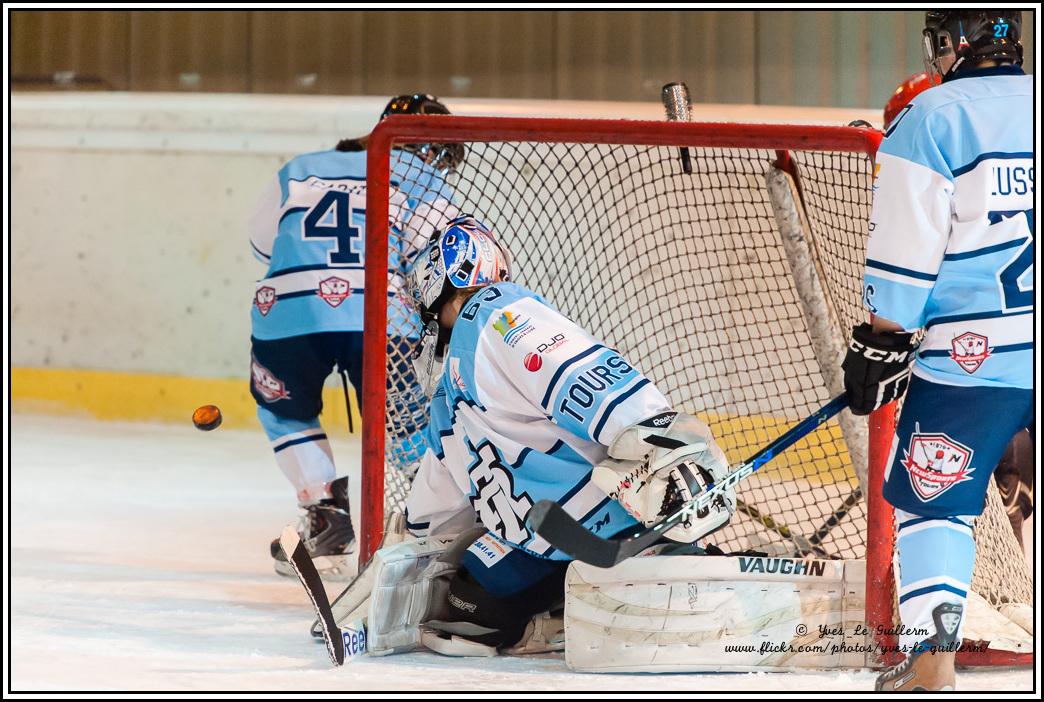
(463, 254)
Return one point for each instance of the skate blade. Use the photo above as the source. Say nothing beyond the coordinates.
(334, 568)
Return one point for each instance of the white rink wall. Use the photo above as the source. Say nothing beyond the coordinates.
(128, 243)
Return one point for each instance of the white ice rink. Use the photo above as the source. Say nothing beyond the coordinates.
(139, 561)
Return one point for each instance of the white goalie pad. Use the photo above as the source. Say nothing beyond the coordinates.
(716, 613)
(401, 590)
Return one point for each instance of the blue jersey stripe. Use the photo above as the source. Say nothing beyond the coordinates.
(950, 319)
(998, 216)
(991, 155)
(292, 210)
(1010, 348)
(1015, 243)
(908, 272)
(295, 442)
(922, 520)
(259, 252)
(562, 369)
(613, 405)
(943, 587)
(311, 267)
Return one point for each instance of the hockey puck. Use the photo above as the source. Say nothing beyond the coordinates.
(207, 417)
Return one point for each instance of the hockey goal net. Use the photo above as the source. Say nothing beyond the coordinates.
(731, 282)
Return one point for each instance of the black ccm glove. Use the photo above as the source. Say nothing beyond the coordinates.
(877, 368)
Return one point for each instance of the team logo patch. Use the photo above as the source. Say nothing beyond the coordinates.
(935, 463)
(264, 299)
(969, 350)
(512, 327)
(269, 387)
(334, 290)
(533, 362)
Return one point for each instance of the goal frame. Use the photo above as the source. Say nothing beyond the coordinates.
(405, 129)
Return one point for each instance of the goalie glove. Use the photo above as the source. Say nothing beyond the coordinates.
(657, 465)
(877, 367)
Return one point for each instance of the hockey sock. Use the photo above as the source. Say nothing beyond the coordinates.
(303, 454)
(936, 558)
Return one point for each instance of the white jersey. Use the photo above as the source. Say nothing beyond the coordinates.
(527, 403)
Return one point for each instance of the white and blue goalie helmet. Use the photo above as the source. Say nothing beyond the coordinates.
(463, 255)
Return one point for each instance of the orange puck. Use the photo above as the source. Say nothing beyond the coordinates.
(207, 417)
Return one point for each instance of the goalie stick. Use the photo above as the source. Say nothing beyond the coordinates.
(301, 562)
(553, 523)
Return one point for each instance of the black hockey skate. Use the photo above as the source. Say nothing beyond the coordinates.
(326, 531)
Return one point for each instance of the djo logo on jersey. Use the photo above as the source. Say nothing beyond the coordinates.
(969, 351)
(512, 327)
(334, 290)
(555, 342)
(533, 362)
(264, 299)
(935, 463)
(269, 387)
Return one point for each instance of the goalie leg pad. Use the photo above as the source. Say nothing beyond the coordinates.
(716, 613)
(403, 579)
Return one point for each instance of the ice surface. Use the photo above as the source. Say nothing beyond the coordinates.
(140, 561)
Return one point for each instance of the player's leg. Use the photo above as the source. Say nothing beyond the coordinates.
(499, 589)
(942, 458)
(287, 377)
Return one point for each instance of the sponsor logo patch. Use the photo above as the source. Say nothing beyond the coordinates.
(354, 638)
(512, 327)
(334, 290)
(264, 299)
(553, 344)
(488, 549)
(269, 387)
(969, 351)
(786, 566)
(935, 463)
(533, 362)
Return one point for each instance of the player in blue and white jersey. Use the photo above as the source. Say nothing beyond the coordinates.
(307, 317)
(527, 406)
(951, 253)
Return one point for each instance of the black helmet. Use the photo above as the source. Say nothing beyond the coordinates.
(971, 36)
(443, 157)
(416, 104)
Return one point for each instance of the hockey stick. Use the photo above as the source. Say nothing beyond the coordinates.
(301, 562)
(553, 523)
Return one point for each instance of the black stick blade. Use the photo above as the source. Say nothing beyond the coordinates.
(553, 523)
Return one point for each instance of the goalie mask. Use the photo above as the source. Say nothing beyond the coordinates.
(463, 255)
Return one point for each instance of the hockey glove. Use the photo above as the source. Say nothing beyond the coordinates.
(877, 367)
(657, 465)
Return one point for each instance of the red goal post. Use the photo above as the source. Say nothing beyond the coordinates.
(780, 140)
